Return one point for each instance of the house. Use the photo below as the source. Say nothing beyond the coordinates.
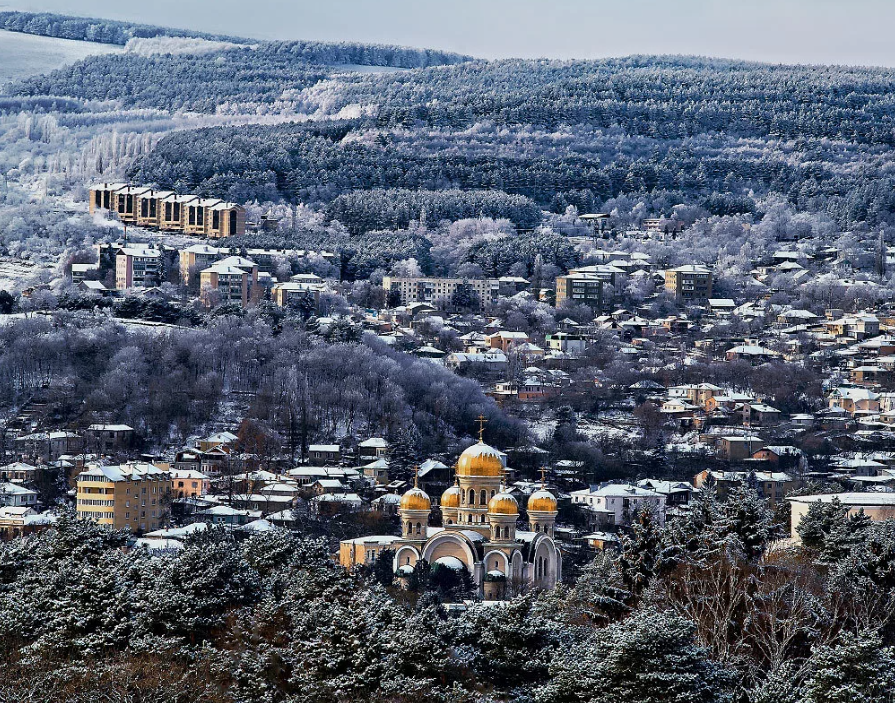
(751, 352)
(189, 483)
(377, 471)
(297, 293)
(19, 472)
(21, 521)
(507, 340)
(335, 503)
(15, 496)
(48, 445)
(566, 342)
(371, 449)
(760, 415)
(677, 493)
(876, 505)
(325, 453)
(107, 439)
(854, 401)
(782, 457)
(227, 515)
(219, 439)
(364, 550)
(770, 485)
(617, 504)
(737, 448)
(131, 496)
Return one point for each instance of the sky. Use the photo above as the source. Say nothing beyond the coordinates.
(855, 32)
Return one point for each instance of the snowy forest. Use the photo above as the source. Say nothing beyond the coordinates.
(690, 613)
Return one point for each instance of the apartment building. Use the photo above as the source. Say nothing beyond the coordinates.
(290, 293)
(168, 211)
(222, 283)
(690, 282)
(132, 496)
(149, 207)
(196, 258)
(102, 196)
(173, 211)
(437, 291)
(138, 267)
(583, 288)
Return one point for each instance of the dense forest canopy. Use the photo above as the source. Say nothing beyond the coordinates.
(714, 133)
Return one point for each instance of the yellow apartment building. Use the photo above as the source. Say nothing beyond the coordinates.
(132, 496)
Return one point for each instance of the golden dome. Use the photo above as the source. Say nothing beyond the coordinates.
(480, 460)
(415, 499)
(503, 504)
(542, 501)
(451, 497)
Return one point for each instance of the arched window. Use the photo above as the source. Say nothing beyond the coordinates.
(495, 563)
(484, 496)
(537, 527)
(418, 528)
(492, 492)
(471, 496)
(409, 528)
(450, 522)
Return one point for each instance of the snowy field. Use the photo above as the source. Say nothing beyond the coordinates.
(23, 55)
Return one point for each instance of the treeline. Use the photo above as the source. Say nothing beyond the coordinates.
(190, 82)
(102, 31)
(695, 612)
(365, 210)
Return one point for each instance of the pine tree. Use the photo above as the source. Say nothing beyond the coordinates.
(857, 670)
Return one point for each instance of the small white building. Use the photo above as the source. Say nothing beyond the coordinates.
(613, 503)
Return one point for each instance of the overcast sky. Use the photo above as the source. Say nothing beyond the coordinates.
(794, 31)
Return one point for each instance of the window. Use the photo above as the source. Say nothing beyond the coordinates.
(471, 496)
(484, 495)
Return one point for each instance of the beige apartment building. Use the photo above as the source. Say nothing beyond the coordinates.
(440, 290)
(690, 282)
(132, 496)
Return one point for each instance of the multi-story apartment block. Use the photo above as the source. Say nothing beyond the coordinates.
(169, 211)
(196, 258)
(102, 196)
(690, 282)
(134, 496)
(440, 290)
(288, 294)
(138, 267)
(149, 207)
(583, 288)
(173, 212)
(222, 283)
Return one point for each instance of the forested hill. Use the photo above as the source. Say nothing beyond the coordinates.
(314, 52)
(47, 24)
(684, 130)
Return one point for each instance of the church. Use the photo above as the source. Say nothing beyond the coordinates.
(479, 517)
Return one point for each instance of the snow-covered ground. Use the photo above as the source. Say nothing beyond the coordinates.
(24, 55)
(16, 274)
